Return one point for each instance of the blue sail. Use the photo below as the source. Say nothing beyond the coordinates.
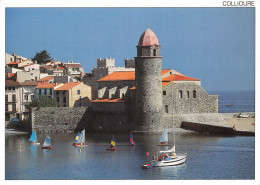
(33, 137)
(47, 141)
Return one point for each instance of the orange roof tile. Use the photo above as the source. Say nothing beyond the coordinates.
(72, 65)
(118, 100)
(165, 83)
(119, 76)
(67, 86)
(46, 85)
(46, 79)
(165, 71)
(176, 77)
(9, 75)
(13, 63)
(32, 83)
(11, 83)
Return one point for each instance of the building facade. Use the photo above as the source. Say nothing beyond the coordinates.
(73, 94)
(13, 92)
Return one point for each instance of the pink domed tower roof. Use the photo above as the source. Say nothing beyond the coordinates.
(148, 38)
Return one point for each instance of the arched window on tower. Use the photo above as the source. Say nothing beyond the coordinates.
(194, 94)
(154, 52)
(188, 94)
(180, 93)
(166, 109)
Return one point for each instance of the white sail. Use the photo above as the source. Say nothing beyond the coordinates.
(172, 150)
(164, 136)
(47, 141)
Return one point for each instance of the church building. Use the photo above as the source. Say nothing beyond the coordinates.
(150, 95)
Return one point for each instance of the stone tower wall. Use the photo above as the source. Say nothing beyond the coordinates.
(148, 92)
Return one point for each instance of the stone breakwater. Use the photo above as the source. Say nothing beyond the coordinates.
(220, 123)
(71, 119)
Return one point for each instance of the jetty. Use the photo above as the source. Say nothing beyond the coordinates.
(226, 124)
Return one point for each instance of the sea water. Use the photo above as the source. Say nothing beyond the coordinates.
(209, 156)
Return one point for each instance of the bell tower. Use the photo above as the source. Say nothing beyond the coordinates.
(148, 78)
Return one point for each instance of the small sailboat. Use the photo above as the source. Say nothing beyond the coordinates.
(132, 142)
(112, 146)
(80, 139)
(164, 138)
(47, 143)
(33, 139)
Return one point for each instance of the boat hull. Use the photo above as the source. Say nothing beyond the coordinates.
(78, 144)
(177, 160)
(112, 149)
(47, 147)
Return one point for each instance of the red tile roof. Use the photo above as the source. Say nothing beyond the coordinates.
(33, 83)
(11, 83)
(10, 75)
(118, 100)
(176, 77)
(119, 76)
(13, 63)
(61, 68)
(67, 86)
(164, 71)
(46, 85)
(47, 67)
(46, 79)
(72, 65)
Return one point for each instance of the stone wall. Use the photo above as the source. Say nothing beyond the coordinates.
(202, 102)
(57, 119)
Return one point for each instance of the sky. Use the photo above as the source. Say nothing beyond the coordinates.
(216, 45)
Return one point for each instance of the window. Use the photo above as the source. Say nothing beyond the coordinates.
(64, 99)
(13, 88)
(26, 97)
(57, 92)
(63, 92)
(13, 97)
(123, 95)
(170, 73)
(9, 88)
(154, 52)
(45, 91)
(5, 88)
(58, 99)
(188, 94)
(194, 94)
(164, 92)
(32, 96)
(14, 107)
(50, 91)
(40, 91)
(80, 98)
(180, 93)
(166, 109)
(6, 107)
(78, 92)
(6, 98)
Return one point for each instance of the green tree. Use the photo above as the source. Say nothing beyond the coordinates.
(42, 57)
(43, 101)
